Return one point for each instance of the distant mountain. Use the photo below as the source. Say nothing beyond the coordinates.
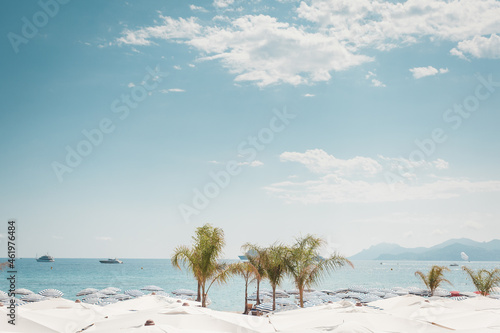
(446, 251)
(376, 251)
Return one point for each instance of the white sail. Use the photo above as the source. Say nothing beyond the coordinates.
(464, 256)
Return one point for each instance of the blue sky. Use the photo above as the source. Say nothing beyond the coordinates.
(360, 121)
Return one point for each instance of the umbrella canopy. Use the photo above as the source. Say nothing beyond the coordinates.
(54, 293)
(186, 292)
(3, 296)
(370, 298)
(108, 291)
(162, 293)
(99, 294)
(87, 291)
(91, 299)
(152, 288)
(265, 307)
(107, 301)
(134, 293)
(32, 298)
(120, 297)
(23, 291)
(330, 299)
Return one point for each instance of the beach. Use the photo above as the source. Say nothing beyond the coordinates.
(408, 313)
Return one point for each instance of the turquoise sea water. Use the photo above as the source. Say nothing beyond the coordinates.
(73, 275)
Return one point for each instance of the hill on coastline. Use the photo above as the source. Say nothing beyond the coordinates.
(446, 251)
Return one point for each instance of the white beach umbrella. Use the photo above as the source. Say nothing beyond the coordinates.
(265, 307)
(32, 298)
(108, 291)
(86, 291)
(370, 298)
(134, 293)
(23, 291)
(162, 293)
(186, 292)
(16, 301)
(152, 288)
(107, 301)
(98, 295)
(54, 293)
(329, 298)
(91, 299)
(3, 296)
(120, 297)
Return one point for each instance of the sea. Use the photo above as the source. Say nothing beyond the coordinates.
(72, 275)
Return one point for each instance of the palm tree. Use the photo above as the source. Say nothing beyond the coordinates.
(249, 273)
(306, 266)
(188, 257)
(275, 266)
(255, 255)
(484, 280)
(434, 278)
(203, 258)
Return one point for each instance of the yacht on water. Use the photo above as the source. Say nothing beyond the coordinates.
(111, 261)
(45, 258)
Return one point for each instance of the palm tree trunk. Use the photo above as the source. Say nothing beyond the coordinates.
(274, 297)
(258, 292)
(198, 298)
(203, 296)
(301, 296)
(246, 298)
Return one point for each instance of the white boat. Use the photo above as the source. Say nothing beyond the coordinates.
(45, 258)
(111, 261)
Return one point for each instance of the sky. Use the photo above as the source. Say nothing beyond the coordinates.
(126, 125)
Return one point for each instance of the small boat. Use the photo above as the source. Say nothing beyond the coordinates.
(45, 258)
(453, 264)
(111, 261)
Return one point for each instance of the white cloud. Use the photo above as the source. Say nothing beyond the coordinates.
(177, 67)
(332, 188)
(332, 36)
(377, 83)
(283, 53)
(420, 72)
(386, 24)
(318, 161)
(222, 3)
(191, 65)
(474, 225)
(253, 164)
(439, 232)
(166, 91)
(103, 238)
(374, 82)
(256, 163)
(171, 28)
(197, 8)
(309, 95)
(131, 85)
(479, 47)
(363, 179)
